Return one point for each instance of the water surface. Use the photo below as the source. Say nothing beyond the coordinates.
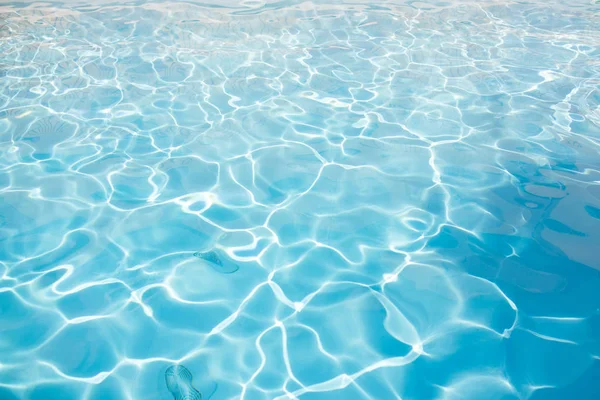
(300, 200)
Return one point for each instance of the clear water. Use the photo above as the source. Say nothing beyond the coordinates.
(300, 200)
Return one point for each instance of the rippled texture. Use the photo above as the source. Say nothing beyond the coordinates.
(300, 200)
(179, 382)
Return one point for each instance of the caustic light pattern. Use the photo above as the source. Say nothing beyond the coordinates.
(300, 200)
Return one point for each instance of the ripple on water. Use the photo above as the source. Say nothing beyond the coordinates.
(299, 200)
(213, 259)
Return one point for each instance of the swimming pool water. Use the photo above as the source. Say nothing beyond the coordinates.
(300, 200)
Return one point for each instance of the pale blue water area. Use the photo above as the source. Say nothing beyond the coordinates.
(300, 200)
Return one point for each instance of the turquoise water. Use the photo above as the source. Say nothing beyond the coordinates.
(294, 200)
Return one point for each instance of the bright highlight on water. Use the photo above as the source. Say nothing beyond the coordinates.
(300, 200)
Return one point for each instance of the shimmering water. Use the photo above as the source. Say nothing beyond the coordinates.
(304, 200)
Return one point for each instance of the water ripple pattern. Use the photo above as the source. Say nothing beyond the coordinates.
(300, 200)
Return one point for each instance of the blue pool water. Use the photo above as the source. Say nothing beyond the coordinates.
(300, 200)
